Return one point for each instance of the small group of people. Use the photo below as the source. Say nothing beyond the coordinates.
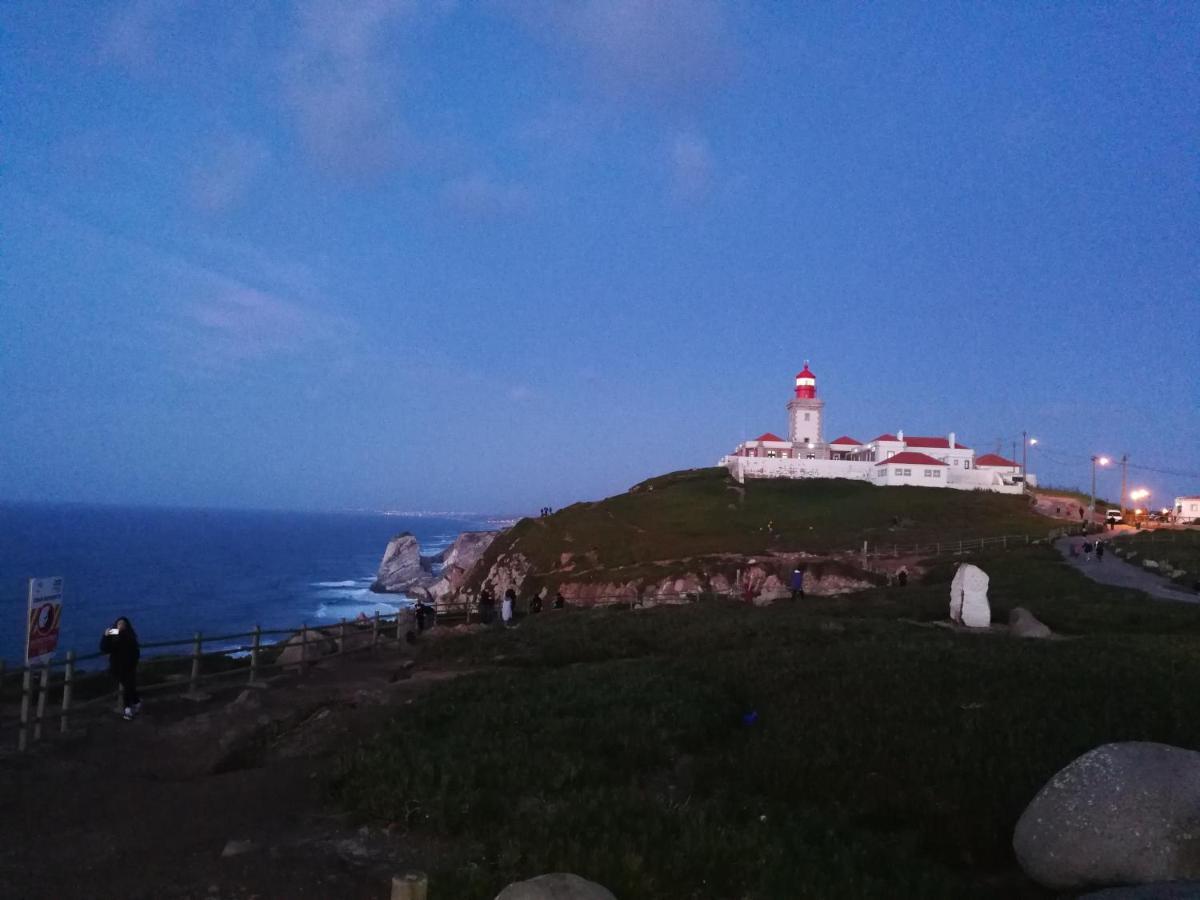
(508, 605)
(547, 511)
(1085, 547)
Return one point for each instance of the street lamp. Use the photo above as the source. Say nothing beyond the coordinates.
(1026, 443)
(1096, 460)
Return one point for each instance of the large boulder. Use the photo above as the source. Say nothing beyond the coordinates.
(468, 548)
(968, 597)
(556, 886)
(1023, 623)
(400, 569)
(1126, 813)
(307, 647)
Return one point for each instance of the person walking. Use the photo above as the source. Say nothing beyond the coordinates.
(559, 602)
(902, 576)
(798, 583)
(120, 642)
(506, 608)
(1099, 551)
(1087, 551)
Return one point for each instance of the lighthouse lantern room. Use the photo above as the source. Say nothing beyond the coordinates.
(804, 410)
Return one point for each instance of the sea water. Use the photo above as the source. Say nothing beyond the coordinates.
(174, 572)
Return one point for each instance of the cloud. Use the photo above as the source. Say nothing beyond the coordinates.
(479, 196)
(691, 166)
(340, 83)
(222, 180)
(131, 35)
(661, 49)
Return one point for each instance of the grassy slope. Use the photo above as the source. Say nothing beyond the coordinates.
(703, 511)
(888, 759)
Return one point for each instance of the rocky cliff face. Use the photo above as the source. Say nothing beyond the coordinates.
(401, 568)
(458, 559)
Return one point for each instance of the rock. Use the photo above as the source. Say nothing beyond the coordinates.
(1149, 564)
(400, 568)
(1122, 813)
(556, 886)
(968, 597)
(1163, 890)
(1023, 623)
(237, 848)
(468, 548)
(295, 650)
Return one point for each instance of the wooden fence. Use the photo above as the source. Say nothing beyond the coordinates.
(49, 691)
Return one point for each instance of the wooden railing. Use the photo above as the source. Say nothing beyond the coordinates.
(60, 683)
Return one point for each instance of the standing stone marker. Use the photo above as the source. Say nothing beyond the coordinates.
(968, 597)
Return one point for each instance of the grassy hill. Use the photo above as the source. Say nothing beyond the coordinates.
(703, 512)
(830, 749)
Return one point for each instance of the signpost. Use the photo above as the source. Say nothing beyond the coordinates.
(45, 616)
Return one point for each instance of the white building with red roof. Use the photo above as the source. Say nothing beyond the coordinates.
(887, 460)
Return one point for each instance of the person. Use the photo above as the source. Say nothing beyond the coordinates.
(120, 642)
(902, 576)
(1087, 551)
(535, 604)
(421, 612)
(506, 608)
(1099, 551)
(559, 602)
(487, 606)
(798, 583)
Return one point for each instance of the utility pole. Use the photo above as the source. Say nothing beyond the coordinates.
(1024, 456)
(1124, 470)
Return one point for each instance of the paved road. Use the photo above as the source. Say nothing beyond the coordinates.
(1119, 573)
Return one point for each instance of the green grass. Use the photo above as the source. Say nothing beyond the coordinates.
(703, 512)
(1180, 548)
(887, 759)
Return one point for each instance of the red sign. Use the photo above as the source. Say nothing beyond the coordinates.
(45, 617)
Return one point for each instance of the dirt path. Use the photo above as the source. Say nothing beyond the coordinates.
(147, 809)
(1114, 571)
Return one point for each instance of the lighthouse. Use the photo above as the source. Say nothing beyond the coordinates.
(804, 410)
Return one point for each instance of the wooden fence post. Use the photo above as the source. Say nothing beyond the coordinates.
(304, 649)
(342, 648)
(254, 648)
(43, 690)
(412, 886)
(68, 681)
(399, 635)
(26, 690)
(375, 631)
(194, 681)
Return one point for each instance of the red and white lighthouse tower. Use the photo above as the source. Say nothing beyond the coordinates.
(805, 409)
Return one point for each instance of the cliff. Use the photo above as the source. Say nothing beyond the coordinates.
(404, 570)
(696, 532)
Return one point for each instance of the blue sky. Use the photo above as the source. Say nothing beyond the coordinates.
(505, 254)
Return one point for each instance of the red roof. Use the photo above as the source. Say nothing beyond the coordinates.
(805, 372)
(847, 440)
(910, 458)
(933, 443)
(885, 437)
(767, 436)
(991, 459)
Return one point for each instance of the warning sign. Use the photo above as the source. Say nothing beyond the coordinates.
(45, 616)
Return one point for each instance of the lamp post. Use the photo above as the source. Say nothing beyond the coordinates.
(1102, 460)
(1026, 443)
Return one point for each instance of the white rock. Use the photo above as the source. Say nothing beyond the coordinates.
(968, 597)
(556, 886)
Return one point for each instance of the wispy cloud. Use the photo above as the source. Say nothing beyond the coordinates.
(340, 80)
(644, 49)
(691, 166)
(223, 178)
(480, 196)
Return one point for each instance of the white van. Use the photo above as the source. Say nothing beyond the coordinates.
(1113, 517)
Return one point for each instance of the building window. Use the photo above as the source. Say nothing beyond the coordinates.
(937, 473)
(966, 464)
(806, 417)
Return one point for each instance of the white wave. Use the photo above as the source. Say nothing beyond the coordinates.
(335, 584)
(351, 611)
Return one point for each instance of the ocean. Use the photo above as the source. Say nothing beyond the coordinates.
(173, 572)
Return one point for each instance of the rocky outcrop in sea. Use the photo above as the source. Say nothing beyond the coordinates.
(403, 570)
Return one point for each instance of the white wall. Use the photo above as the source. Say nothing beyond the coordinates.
(743, 467)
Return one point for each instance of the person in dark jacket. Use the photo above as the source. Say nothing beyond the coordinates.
(120, 642)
